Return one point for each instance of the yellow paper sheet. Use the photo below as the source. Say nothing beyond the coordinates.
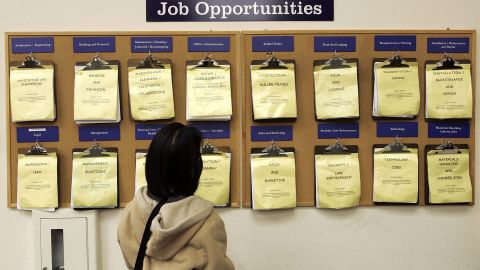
(398, 90)
(94, 181)
(140, 179)
(208, 92)
(336, 92)
(449, 177)
(151, 93)
(214, 184)
(449, 93)
(32, 96)
(273, 92)
(37, 181)
(96, 94)
(273, 182)
(337, 181)
(395, 178)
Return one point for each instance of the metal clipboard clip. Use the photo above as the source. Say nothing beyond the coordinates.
(447, 63)
(447, 148)
(208, 149)
(37, 150)
(273, 62)
(273, 151)
(337, 149)
(150, 62)
(396, 147)
(31, 62)
(336, 62)
(395, 61)
(208, 62)
(95, 151)
(97, 63)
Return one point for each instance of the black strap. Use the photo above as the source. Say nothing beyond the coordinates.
(146, 236)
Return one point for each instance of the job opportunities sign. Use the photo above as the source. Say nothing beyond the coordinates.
(239, 10)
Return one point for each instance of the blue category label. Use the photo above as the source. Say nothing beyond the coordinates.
(99, 133)
(271, 133)
(395, 43)
(213, 130)
(272, 44)
(93, 44)
(448, 45)
(209, 44)
(151, 44)
(37, 134)
(335, 43)
(33, 45)
(147, 131)
(400, 129)
(448, 129)
(338, 130)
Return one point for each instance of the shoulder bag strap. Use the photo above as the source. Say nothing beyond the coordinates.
(146, 236)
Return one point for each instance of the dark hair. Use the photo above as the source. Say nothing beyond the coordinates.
(174, 163)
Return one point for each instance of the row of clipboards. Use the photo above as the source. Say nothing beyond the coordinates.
(95, 177)
(97, 96)
(337, 175)
(273, 97)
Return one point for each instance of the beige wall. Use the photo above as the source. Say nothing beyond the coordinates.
(366, 238)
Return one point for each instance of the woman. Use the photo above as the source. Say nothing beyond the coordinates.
(186, 233)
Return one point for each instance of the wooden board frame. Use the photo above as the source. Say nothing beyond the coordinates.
(65, 59)
(305, 127)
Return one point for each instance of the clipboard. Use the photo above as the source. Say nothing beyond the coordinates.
(97, 63)
(397, 148)
(335, 149)
(447, 63)
(209, 149)
(449, 146)
(32, 63)
(38, 150)
(270, 151)
(149, 62)
(273, 63)
(336, 63)
(393, 62)
(96, 151)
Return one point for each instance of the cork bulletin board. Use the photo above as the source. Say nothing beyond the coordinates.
(304, 128)
(239, 55)
(65, 58)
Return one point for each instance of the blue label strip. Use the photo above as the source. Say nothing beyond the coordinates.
(448, 129)
(37, 134)
(272, 44)
(338, 130)
(269, 133)
(99, 133)
(400, 129)
(395, 43)
(147, 131)
(213, 130)
(33, 45)
(151, 44)
(93, 44)
(335, 43)
(448, 45)
(209, 44)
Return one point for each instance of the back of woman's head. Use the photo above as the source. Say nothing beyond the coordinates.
(174, 164)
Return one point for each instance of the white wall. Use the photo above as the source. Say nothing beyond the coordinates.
(366, 238)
